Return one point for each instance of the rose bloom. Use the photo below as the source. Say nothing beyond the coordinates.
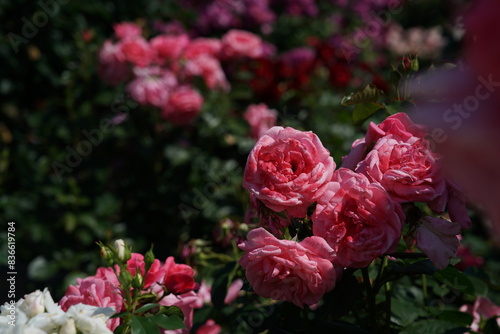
(113, 69)
(168, 47)
(187, 302)
(203, 46)
(482, 309)
(210, 69)
(298, 272)
(151, 85)
(96, 292)
(240, 43)
(287, 170)
(155, 274)
(260, 118)
(127, 30)
(210, 327)
(183, 106)
(137, 51)
(358, 219)
(178, 277)
(398, 124)
(408, 170)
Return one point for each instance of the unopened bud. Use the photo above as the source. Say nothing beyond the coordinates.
(137, 281)
(120, 249)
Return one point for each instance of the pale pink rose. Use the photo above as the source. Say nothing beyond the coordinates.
(210, 69)
(95, 292)
(210, 327)
(187, 302)
(203, 47)
(183, 106)
(137, 51)
(426, 43)
(482, 309)
(113, 69)
(204, 294)
(408, 170)
(358, 219)
(298, 272)
(127, 30)
(287, 170)
(260, 118)
(168, 47)
(240, 43)
(233, 291)
(398, 124)
(152, 85)
(437, 238)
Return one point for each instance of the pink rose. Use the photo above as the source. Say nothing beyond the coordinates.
(113, 69)
(137, 51)
(398, 124)
(298, 272)
(155, 274)
(287, 170)
(437, 238)
(233, 291)
(169, 47)
(178, 277)
(203, 47)
(240, 43)
(260, 118)
(127, 30)
(482, 309)
(187, 302)
(408, 170)
(95, 292)
(210, 327)
(183, 106)
(210, 69)
(358, 219)
(152, 85)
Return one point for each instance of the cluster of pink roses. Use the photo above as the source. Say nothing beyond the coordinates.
(351, 215)
(171, 283)
(159, 72)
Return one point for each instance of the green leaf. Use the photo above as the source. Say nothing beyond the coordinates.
(459, 318)
(141, 325)
(369, 94)
(491, 326)
(146, 307)
(171, 311)
(363, 111)
(405, 312)
(455, 279)
(168, 322)
(433, 326)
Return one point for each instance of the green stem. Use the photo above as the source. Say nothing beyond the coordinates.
(388, 311)
(424, 287)
(369, 296)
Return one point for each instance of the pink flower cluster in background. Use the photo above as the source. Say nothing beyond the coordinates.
(159, 72)
(354, 214)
